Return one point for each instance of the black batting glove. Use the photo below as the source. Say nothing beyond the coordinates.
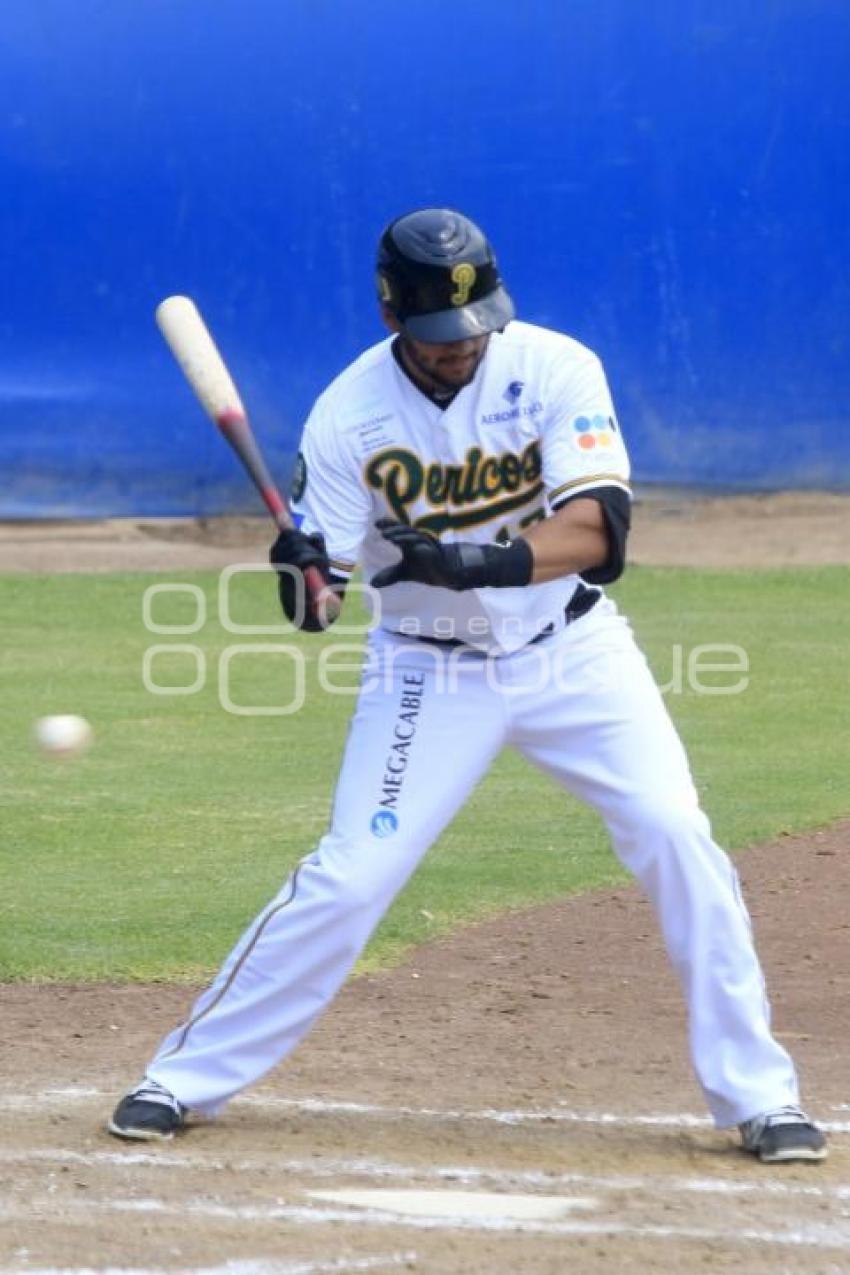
(295, 549)
(424, 560)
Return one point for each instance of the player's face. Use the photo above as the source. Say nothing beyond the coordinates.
(449, 366)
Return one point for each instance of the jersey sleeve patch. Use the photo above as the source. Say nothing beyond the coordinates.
(583, 446)
(594, 434)
(299, 478)
(332, 499)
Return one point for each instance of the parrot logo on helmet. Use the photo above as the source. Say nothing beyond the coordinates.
(464, 276)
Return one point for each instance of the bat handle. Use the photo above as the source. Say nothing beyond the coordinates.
(233, 424)
(323, 600)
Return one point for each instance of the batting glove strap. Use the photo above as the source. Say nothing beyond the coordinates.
(425, 560)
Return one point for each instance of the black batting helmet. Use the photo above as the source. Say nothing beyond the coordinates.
(437, 274)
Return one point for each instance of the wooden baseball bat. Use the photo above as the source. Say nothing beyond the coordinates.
(193, 347)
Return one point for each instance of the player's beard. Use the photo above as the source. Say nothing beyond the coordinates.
(430, 373)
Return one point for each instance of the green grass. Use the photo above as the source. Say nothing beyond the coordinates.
(146, 858)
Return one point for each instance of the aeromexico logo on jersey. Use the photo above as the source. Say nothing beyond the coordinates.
(513, 413)
(385, 820)
(482, 488)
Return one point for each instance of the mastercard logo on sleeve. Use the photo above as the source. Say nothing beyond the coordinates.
(594, 431)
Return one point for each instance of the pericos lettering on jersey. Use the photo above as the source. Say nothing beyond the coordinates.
(480, 481)
(404, 730)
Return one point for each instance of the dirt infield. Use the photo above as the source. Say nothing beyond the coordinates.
(669, 529)
(540, 1057)
(541, 1054)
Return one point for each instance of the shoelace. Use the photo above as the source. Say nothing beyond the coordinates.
(754, 1128)
(153, 1091)
(786, 1115)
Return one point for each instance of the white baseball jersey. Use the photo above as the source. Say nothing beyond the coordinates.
(535, 426)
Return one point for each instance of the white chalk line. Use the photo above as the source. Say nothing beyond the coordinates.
(168, 1160)
(554, 1115)
(319, 1106)
(817, 1236)
(380, 1262)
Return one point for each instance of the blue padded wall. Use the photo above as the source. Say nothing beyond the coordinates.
(668, 181)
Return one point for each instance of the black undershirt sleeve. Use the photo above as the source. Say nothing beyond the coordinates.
(617, 511)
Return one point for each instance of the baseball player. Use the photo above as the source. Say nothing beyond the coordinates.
(473, 466)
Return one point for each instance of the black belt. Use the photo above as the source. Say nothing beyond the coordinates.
(579, 604)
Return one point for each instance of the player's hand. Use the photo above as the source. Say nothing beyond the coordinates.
(425, 561)
(295, 549)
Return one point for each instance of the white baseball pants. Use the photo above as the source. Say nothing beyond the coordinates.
(581, 705)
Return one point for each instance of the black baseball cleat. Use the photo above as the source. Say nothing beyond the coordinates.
(782, 1136)
(148, 1113)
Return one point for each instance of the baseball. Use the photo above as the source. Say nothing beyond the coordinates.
(65, 735)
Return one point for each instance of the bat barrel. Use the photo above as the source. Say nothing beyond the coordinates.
(194, 349)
